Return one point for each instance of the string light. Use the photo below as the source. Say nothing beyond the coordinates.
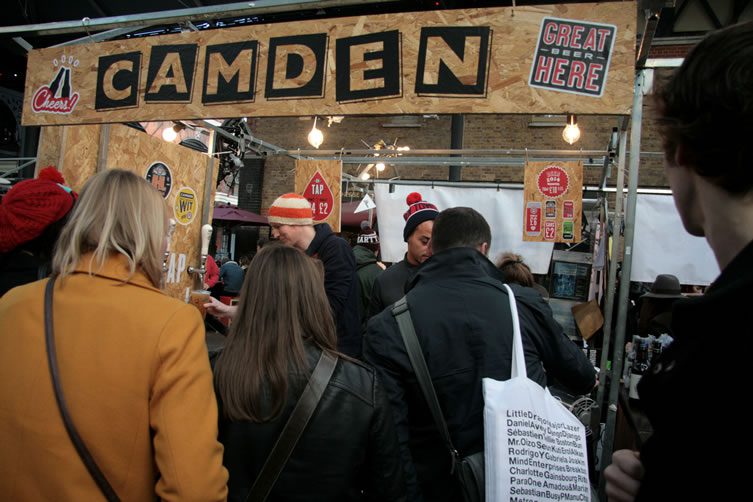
(571, 132)
(316, 137)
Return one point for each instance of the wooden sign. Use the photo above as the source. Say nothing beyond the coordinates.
(320, 181)
(553, 197)
(576, 58)
(179, 173)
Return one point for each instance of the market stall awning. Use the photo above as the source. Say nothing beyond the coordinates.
(230, 213)
(349, 218)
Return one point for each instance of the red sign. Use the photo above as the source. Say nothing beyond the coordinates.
(533, 218)
(56, 97)
(553, 181)
(550, 230)
(319, 195)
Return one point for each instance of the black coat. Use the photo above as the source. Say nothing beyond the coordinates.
(348, 451)
(341, 284)
(694, 397)
(389, 287)
(463, 322)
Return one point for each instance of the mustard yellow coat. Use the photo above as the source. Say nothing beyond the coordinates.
(134, 370)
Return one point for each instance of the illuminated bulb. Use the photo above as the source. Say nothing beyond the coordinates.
(571, 132)
(403, 148)
(365, 175)
(380, 167)
(169, 134)
(316, 137)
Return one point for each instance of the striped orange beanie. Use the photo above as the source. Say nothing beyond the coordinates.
(290, 209)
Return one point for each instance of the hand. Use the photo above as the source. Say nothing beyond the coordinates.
(219, 309)
(624, 476)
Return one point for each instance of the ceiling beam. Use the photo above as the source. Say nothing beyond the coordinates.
(238, 9)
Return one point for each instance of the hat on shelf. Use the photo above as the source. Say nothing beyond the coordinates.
(291, 209)
(418, 212)
(31, 206)
(367, 237)
(665, 286)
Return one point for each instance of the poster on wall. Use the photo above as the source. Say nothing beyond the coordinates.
(320, 181)
(553, 201)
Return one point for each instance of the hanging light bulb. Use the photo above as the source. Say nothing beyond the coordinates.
(571, 132)
(365, 175)
(380, 167)
(169, 134)
(316, 137)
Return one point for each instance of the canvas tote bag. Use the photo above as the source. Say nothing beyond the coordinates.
(534, 448)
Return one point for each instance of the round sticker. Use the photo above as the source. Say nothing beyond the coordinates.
(159, 175)
(553, 181)
(185, 205)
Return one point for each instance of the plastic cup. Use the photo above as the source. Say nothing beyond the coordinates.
(198, 298)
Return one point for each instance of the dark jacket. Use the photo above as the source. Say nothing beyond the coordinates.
(390, 286)
(349, 446)
(368, 271)
(341, 284)
(462, 319)
(231, 275)
(691, 396)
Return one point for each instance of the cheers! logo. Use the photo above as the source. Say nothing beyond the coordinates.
(58, 97)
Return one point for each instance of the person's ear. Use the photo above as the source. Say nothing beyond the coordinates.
(484, 248)
(684, 156)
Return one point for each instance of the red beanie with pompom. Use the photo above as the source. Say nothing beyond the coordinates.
(418, 212)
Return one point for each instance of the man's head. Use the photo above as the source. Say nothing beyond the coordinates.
(461, 227)
(291, 219)
(368, 238)
(705, 115)
(419, 221)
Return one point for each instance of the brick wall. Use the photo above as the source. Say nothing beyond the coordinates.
(480, 131)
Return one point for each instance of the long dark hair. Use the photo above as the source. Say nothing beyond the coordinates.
(283, 303)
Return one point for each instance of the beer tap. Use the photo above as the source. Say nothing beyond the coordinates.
(170, 229)
(206, 233)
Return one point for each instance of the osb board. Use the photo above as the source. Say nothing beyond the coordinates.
(386, 72)
(136, 151)
(48, 150)
(553, 198)
(80, 145)
(320, 181)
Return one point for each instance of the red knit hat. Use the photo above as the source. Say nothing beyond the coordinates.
(31, 206)
(418, 212)
(291, 209)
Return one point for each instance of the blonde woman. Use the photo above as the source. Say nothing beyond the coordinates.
(132, 364)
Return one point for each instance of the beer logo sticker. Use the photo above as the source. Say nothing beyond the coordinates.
(160, 177)
(320, 196)
(185, 205)
(553, 181)
(58, 97)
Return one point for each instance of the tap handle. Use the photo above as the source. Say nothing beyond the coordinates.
(206, 233)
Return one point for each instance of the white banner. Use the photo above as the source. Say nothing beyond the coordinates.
(662, 246)
(502, 208)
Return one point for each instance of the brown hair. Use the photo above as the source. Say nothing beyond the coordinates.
(283, 304)
(707, 106)
(516, 272)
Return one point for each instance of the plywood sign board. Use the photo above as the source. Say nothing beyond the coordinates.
(553, 198)
(180, 174)
(320, 181)
(576, 58)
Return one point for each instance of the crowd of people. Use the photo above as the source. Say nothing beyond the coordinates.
(132, 380)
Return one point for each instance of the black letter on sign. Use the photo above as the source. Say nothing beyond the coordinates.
(118, 81)
(368, 66)
(296, 66)
(453, 61)
(170, 74)
(230, 72)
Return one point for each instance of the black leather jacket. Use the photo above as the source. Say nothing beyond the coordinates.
(348, 451)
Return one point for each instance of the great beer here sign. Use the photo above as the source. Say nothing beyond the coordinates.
(500, 60)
